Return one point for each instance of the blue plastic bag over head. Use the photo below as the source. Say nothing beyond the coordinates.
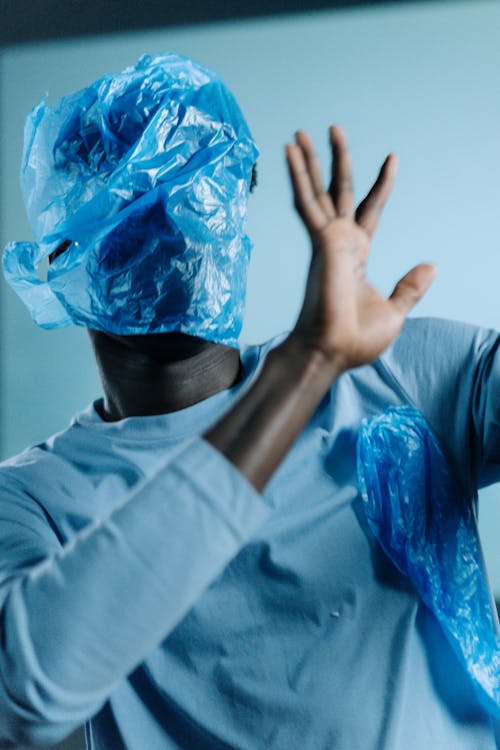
(146, 173)
(418, 513)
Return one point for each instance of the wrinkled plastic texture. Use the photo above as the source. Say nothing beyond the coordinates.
(426, 526)
(147, 174)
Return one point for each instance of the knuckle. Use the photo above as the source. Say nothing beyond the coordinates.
(409, 291)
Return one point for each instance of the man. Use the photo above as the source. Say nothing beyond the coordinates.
(226, 591)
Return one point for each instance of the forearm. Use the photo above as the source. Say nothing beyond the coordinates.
(257, 432)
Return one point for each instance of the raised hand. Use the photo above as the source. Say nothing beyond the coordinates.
(344, 321)
(343, 316)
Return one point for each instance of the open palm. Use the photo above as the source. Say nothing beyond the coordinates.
(343, 315)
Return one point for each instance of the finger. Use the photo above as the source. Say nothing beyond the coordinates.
(370, 209)
(341, 188)
(304, 140)
(412, 287)
(305, 199)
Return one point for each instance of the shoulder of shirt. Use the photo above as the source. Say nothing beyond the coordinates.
(422, 328)
(440, 336)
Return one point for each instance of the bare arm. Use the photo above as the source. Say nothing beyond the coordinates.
(344, 321)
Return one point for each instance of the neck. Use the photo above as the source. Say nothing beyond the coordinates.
(147, 375)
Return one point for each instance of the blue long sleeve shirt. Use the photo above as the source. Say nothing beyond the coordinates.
(148, 590)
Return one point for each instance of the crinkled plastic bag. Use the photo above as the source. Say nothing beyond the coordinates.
(426, 526)
(147, 174)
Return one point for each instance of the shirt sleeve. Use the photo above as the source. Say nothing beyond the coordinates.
(78, 618)
(451, 372)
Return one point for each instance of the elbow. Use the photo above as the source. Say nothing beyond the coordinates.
(20, 729)
(35, 713)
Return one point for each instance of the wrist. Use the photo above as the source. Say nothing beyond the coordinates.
(309, 361)
(256, 433)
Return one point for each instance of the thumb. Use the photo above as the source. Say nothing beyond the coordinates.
(412, 287)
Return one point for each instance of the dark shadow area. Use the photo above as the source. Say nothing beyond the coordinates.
(76, 741)
(33, 20)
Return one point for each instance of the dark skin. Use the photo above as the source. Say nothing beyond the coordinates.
(160, 373)
(344, 323)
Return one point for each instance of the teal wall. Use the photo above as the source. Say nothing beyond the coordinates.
(422, 80)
